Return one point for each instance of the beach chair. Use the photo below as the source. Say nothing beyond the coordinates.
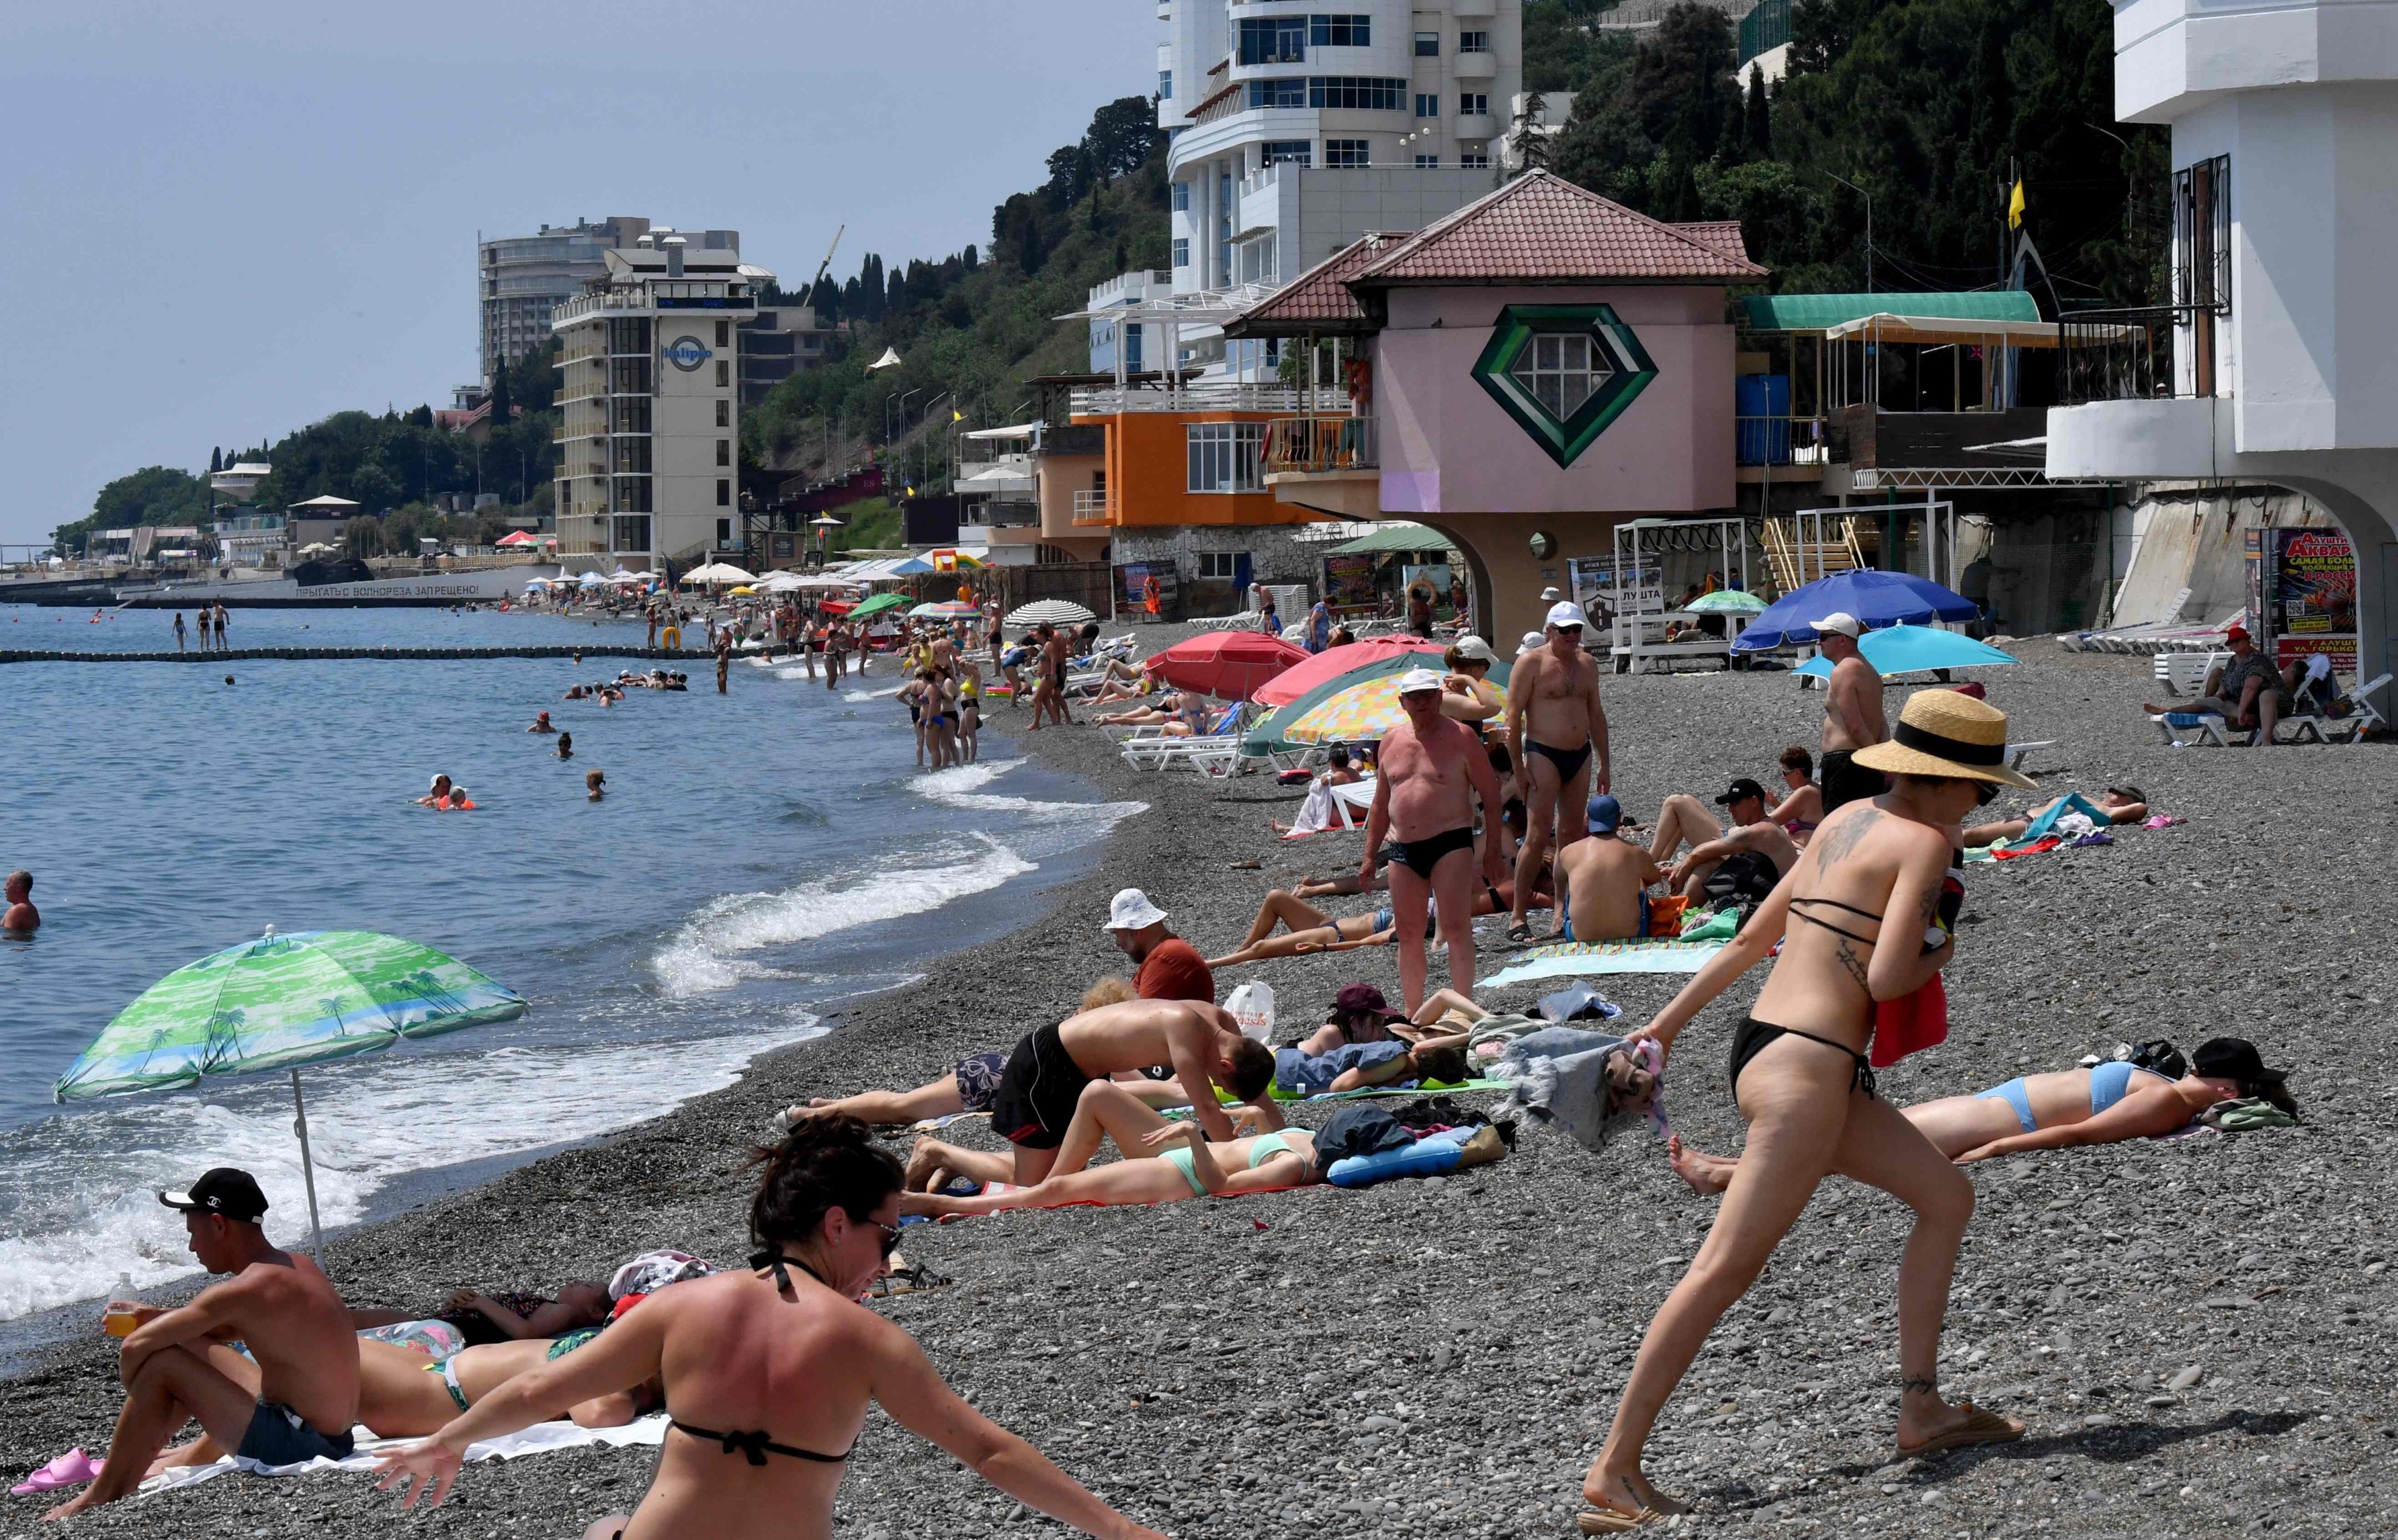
(2362, 716)
(1162, 752)
(2020, 753)
(2203, 726)
(2185, 673)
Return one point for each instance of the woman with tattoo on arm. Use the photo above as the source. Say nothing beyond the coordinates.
(1865, 894)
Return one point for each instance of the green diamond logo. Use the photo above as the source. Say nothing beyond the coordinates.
(1564, 373)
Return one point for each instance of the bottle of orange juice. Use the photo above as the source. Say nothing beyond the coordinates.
(120, 1323)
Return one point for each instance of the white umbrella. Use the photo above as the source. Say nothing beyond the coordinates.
(718, 572)
(782, 582)
(1057, 612)
(591, 576)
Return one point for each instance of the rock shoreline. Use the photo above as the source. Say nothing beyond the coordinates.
(1441, 1357)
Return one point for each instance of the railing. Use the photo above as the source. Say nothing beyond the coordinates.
(999, 514)
(1132, 284)
(1202, 396)
(2126, 355)
(1094, 507)
(1262, 178)
(1320, 444)
(1782, 441)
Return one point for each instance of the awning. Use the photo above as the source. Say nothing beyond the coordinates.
(1931, 330)
(1021, 430)
(1822, 312)
(1394, 537)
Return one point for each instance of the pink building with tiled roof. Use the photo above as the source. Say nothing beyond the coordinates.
(1537, 368)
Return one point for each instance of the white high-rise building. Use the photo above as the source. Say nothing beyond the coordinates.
(520, 280)
(1298, 130)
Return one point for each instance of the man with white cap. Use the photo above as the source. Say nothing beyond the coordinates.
(1853, 715)
(1168, 966)
(1431, 771)
(1553, 723)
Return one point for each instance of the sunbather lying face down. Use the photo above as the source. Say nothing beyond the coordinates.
(2103, 1105)
(1187, 1167)
(2123, 805)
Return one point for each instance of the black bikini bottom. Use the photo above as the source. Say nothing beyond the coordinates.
(1754, 1034)
(1567, 761)
(1420, 856)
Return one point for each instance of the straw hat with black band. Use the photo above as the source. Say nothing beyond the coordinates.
(1942, 733)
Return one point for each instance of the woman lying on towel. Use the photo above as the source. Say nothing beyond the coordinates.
(745, 1455)
(2105, 1104)
(1184, 1165)
(1173, 709)
(1312, 930)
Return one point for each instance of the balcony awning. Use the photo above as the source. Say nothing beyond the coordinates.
(1823, 312)
(1394, 537)
(1938, 329)
(1020, 430)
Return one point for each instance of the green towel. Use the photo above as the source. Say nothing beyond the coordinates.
(1721, 926)
(2246, 1114)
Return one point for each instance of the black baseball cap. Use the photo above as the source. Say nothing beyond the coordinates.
(234, 1195)
(2235, 1059)
(1743, 787)
(2132, 791)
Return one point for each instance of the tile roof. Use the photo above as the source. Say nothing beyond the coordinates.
(1540, 228)
(1320, 296)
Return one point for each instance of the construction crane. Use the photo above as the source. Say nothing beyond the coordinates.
(825, 266)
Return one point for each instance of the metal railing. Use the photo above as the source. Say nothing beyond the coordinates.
(1204, 395)
(2127, 355)
(1781, 441)
(1094, 507)
(998, 515)
(1321, 444)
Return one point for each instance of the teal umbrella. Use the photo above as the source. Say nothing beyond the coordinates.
(1726, 602)
(279, 1003)
(1914, 650)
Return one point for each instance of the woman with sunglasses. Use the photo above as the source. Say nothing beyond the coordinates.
(768, 1372)
(1855, 918)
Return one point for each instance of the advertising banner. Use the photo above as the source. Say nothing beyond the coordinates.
(1602, 597)
(2313, 596)
(1349, 581)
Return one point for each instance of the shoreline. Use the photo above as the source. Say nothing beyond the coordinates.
(1489, 1318)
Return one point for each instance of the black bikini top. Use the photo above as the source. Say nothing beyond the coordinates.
(755, 1446)
(1836, 931)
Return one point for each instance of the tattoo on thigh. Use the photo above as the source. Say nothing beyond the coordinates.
(1842, 838)
(1848, 955)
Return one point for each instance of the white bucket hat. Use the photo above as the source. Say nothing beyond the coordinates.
(1132, 910)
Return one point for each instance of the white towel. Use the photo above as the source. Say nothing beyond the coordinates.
(651, 1430)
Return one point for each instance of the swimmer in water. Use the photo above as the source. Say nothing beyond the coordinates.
(566, 746)
(19, 919)
(595, 786)
(541, 724)
(439, 796)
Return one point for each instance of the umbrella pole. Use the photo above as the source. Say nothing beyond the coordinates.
(308, 1171)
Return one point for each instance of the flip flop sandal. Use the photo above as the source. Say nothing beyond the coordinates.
(1519, 934)
(1615, 1521)
(71, 1469)
(909, 1280)
(1979, 1427)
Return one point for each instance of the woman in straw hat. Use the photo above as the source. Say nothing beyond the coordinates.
(1867, 892)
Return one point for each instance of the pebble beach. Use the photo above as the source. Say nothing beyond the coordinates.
(2201, 1333)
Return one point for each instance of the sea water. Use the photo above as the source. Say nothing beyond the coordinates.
(760, 859)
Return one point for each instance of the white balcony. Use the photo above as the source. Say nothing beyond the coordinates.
(1094, 507)
(1474, 66)
(1201, 397)
(1473, 8)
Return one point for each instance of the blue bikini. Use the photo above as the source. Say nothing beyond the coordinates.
(2108, 1083)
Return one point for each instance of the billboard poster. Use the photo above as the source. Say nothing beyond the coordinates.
(1349, 581)
(2314, 596)
(2252, 549)
(1595, 588)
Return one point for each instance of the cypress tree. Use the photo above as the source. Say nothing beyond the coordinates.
(1760, 120)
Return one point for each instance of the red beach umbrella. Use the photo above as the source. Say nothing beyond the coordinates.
(1333, 662)
(1228, 665)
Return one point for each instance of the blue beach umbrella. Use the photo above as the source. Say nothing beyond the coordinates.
(1914, 650)
(1876, 599)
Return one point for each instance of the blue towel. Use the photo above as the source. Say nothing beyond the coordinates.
(2074, 803)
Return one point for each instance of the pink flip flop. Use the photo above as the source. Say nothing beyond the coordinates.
(71, 1469)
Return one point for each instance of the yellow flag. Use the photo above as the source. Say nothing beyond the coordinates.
(2015, 206)
(956, 416)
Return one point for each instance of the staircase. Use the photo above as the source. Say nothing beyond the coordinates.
(1795, 562)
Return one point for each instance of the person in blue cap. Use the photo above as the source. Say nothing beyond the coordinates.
(1602, 881)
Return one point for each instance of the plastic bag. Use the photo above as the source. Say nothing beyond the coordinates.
(1252, 1006)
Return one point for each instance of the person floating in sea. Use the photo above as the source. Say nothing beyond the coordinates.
(595, 786)
(1868, 889)
(1555, 724)
(178, 1365)
(541, 724)
(19, 919)
(742, 1458)
(566, 746)
(439, 795)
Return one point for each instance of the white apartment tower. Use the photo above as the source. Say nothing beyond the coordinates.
(1297, 127)
(650, 400)
(520, 279)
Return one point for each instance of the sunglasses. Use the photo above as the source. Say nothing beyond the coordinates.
(890, 1237)
(1987, 792)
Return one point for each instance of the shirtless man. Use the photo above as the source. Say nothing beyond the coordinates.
(1431, 769)
(1044, 1079)
(541, 724)
(1765, 847)
(1553, 722)
(178, 1365)
(1604, 880)
(438, 796)
(20, 918)
(1852, 713)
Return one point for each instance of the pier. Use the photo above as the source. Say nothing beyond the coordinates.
(394, 655)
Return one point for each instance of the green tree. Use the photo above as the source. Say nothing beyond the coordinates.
(1760, 118)
(216, 461)
(503, 408)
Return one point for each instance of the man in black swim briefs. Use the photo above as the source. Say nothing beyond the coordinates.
(1555, 724)
(1432, 770)
(1853, 718)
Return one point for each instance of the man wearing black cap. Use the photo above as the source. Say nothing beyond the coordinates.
(296, 1402)
(1757, 850)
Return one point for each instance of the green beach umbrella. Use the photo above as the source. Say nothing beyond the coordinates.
(1727, 602)
(879, 604)
(279, 1003)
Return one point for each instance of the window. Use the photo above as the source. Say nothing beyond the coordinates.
(1132, 346)
(1473, 42)
(1427, 163)
(1274, 40)
(1181, 198)
(631, 534)
(629, 376)
(1473, 104)
(632, 414)
(1346, 152)
(1369, 93)
(1341, 32)
(725, 333)
(1559, 372)
(724, 493)
(1427, 45)
(1224, 456)
(1166, 85)
(723, 373)
(2203, 262)
(1290, 151)
(1290, 91)
(1225, 565)
(1182, 250)
(723, 413)
(1475, 161)
(723, 451)
(723, 533)
(1427, 103)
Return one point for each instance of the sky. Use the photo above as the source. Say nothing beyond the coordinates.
(225, 220)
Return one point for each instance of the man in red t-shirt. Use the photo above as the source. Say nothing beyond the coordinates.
(1168, 966)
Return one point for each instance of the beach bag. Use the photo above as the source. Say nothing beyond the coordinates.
(1358, 1129)
(1744, 877)
(1252, 1006)
(2160, 1057)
